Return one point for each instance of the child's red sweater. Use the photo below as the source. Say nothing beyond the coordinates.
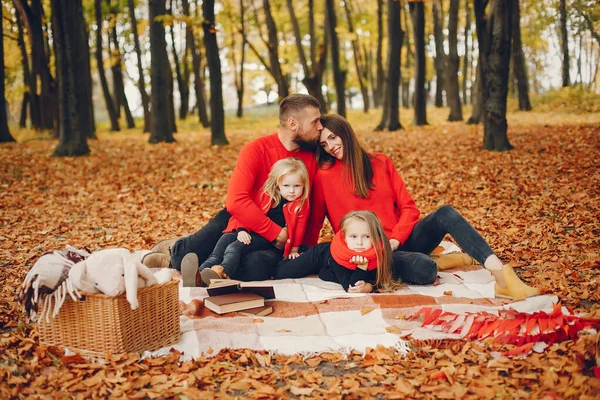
(249, 175)
(295, 220)
(333, 197)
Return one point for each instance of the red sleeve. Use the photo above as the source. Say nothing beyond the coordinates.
(301, 222)
(409, 213)
(318, 210)
(239, 201)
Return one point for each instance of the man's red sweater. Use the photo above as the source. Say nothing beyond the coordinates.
(249, 175)
(333, 196)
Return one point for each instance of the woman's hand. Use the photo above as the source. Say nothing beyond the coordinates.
(360, 287)
(244, 237)
(360, 261)
(394, 244)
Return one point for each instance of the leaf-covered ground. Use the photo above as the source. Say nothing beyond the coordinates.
(537, 205)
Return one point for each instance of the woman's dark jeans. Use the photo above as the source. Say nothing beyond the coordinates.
(255, 266)
(412, 263)
(229, 251)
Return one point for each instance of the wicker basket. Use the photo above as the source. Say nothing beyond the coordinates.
(99, 323)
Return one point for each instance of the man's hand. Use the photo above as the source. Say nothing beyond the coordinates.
(244, 237)
(360, 261)
(281, 240)
(394, 244)
(360, 287)
(293, 254)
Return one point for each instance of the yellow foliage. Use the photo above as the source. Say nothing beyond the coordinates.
(574, 99)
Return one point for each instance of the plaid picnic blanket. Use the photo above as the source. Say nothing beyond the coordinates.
(312, 316)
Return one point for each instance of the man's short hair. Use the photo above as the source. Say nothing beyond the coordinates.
(295, 103)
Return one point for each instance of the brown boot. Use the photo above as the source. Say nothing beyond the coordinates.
(515, 288)
(452, 260)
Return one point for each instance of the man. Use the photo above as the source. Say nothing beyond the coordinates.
(299, 129)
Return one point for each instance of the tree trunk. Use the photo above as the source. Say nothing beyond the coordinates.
(476, 97)
(199, 89)
(466, 61)
(68, 24)
(564, 42)
(439, 60)
(110, 106)
(182, 84)
(494, 35)
(406, 103)
(170, 93)
(26, 74)
(214, 67)
(160, 126)
(339, 75)
(361, 70)
(44, 104)
(83, 79)
(378, 88)
(141, 79)
(273, 44)
(391, 104)
(418, 20)
(313, 75)
(452, 87)
(240, 81)
(117, 71)
(5, 135)
(518, 58)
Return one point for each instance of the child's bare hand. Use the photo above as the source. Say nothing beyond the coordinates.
(293, 254)
(244, 237)
(360, 261)
(360, 287)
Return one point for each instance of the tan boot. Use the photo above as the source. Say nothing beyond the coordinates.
(452, 260)
(515, 288)
(189, 269)
(214, 272)
(156, 260)
(164, 246)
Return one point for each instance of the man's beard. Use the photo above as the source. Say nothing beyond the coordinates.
(304, 144)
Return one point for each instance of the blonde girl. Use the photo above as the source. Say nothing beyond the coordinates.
(284, 199)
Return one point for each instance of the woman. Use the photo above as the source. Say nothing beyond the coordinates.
(351, 179)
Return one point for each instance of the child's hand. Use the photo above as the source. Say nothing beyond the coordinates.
(360, 261)
(244, 237)
(360, 287)
(293, 254)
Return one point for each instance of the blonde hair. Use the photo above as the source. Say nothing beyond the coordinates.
(280, 170)
(381, 244)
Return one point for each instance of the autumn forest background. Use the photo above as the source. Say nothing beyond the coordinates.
(490, 106)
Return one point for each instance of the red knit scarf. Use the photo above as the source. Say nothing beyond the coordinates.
(342, 254)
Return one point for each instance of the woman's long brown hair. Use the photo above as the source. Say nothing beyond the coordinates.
(356, 161)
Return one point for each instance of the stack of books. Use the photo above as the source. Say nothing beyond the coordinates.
(229, 296)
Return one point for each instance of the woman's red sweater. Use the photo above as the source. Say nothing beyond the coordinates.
(333, 197)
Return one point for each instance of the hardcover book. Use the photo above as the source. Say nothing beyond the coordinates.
(257, 312)
(225, 303)
(229, 286)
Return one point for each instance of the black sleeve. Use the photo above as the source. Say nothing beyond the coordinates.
(335, 272)
(242, 230)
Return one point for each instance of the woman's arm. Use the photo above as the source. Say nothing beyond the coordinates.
(409, 213)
